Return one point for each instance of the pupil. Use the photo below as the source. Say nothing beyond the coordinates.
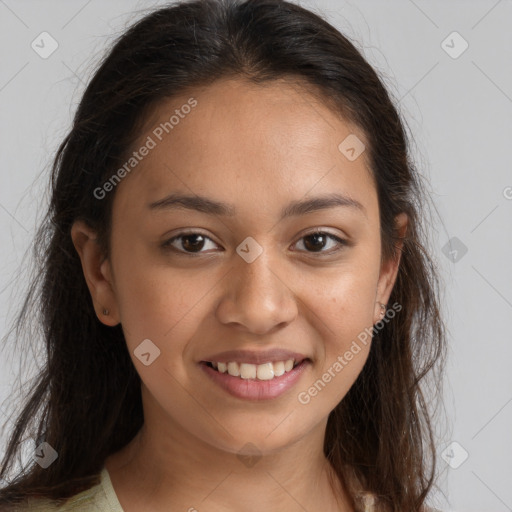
(316, 237)
(195, 245)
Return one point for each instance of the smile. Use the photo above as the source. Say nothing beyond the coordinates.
(255, 381)
(266, 371)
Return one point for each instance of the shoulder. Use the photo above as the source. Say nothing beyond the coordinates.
(99, 498)
(369, 503)
(85, 501)
(426, 508)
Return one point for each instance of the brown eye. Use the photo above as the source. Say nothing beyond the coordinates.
(317, 241)
(187, 243)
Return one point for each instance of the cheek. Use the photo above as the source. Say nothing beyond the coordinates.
(341, 309)
(344, 299)
(159, 303)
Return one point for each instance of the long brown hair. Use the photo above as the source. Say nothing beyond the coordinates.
(86, 400)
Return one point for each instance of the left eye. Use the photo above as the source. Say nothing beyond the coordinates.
(193, 243)
(317, 241)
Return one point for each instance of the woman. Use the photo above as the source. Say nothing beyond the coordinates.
(237, 301)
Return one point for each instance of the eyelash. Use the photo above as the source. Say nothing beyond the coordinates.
(167, 244)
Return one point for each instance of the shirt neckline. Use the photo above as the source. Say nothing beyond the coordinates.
(109, 491)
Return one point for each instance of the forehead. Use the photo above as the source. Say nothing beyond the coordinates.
(258, 144)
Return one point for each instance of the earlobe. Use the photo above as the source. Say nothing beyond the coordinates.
(96, 272)
(389, 269)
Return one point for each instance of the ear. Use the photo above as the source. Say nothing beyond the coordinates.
(97, 272)
(389, 269)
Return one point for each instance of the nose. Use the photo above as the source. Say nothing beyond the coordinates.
(256, 298)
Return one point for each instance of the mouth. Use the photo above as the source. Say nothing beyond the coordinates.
(255, 382)
(263, 372)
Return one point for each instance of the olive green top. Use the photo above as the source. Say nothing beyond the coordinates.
(103, 498)
(99, 498)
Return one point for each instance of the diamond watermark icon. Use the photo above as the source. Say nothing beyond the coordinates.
(44, 455)
(454, 250)
(249, 249)
(454, 455)
(146, 352)
(352, 147)
(454, 45)
(249, 455)
(44, 45)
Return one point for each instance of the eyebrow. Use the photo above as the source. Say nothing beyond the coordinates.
(295, 208)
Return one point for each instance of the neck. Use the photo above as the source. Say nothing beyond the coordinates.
(179, 471)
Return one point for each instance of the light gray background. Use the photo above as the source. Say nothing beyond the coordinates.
(460, 113)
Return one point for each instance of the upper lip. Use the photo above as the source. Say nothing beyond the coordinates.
(255, 357)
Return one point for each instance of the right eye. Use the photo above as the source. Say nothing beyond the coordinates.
(191, 242)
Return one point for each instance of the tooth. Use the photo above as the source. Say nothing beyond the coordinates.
(248, 371)
(288, 365)
(233, 369)
(278, 368)
(265, 371)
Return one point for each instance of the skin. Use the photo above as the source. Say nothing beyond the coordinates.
(257, 148)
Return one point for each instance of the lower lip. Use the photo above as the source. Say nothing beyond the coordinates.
(253, 389)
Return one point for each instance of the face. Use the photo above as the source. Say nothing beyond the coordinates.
(260, 279)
